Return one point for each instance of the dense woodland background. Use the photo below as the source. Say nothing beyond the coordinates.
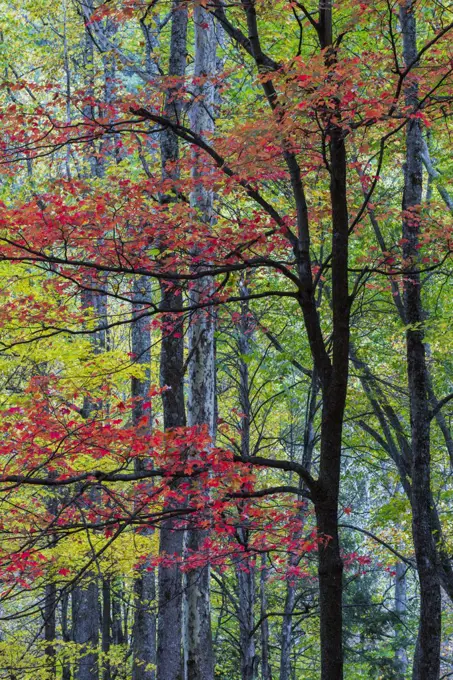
(225, 351)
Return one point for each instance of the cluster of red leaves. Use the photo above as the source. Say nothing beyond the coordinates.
(91, 464)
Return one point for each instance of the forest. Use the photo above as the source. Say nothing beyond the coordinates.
(226, 380)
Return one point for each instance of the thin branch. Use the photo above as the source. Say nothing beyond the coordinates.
(380, 541)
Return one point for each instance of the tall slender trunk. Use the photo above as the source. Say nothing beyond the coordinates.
(290, 599)
(145, 602)
(266, 671)
(333, 376)
(245, 569)
(106, 628)
(334, 387)
(169, 638)
(144, 630)
(117, 619)
(286, 637)
(286, 633)
(427, 656)
(201, 384)
(50, 604)
(86, 614)
(245, 572)
(401, 660)
(85, 629)
(65, 634)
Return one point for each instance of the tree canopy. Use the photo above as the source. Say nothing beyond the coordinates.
(226, 394)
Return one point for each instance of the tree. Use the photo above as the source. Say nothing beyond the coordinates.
(301, 172)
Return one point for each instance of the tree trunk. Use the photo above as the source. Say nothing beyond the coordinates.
(334, 382)
(65, 634)
(85, 630)
(334, 387)
(117, 623)
(106, 628)
(144, 632)
(266, 672)
(427, 655)
(245, 573)
(50, 604)
(286, 634)
(245, 569)
(401, 661)
(144, 629)
(86, 614)
(307, 455)
(330, 565)
(201, 385)
(169, 661)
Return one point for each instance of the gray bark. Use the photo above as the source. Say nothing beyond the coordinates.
(50, 603)
(290, 599)
(117, 623)
(435, 175)
(427, 656)
(50, 606)
(401, 660)
(286, 634)
(201, 387)
(201, 384)
(266, 671)
(85, 630)
(65, 634)
(144, 631)
(85, 601)
(245, 573)
(106, 628)
(86, 614)
(169, 637)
